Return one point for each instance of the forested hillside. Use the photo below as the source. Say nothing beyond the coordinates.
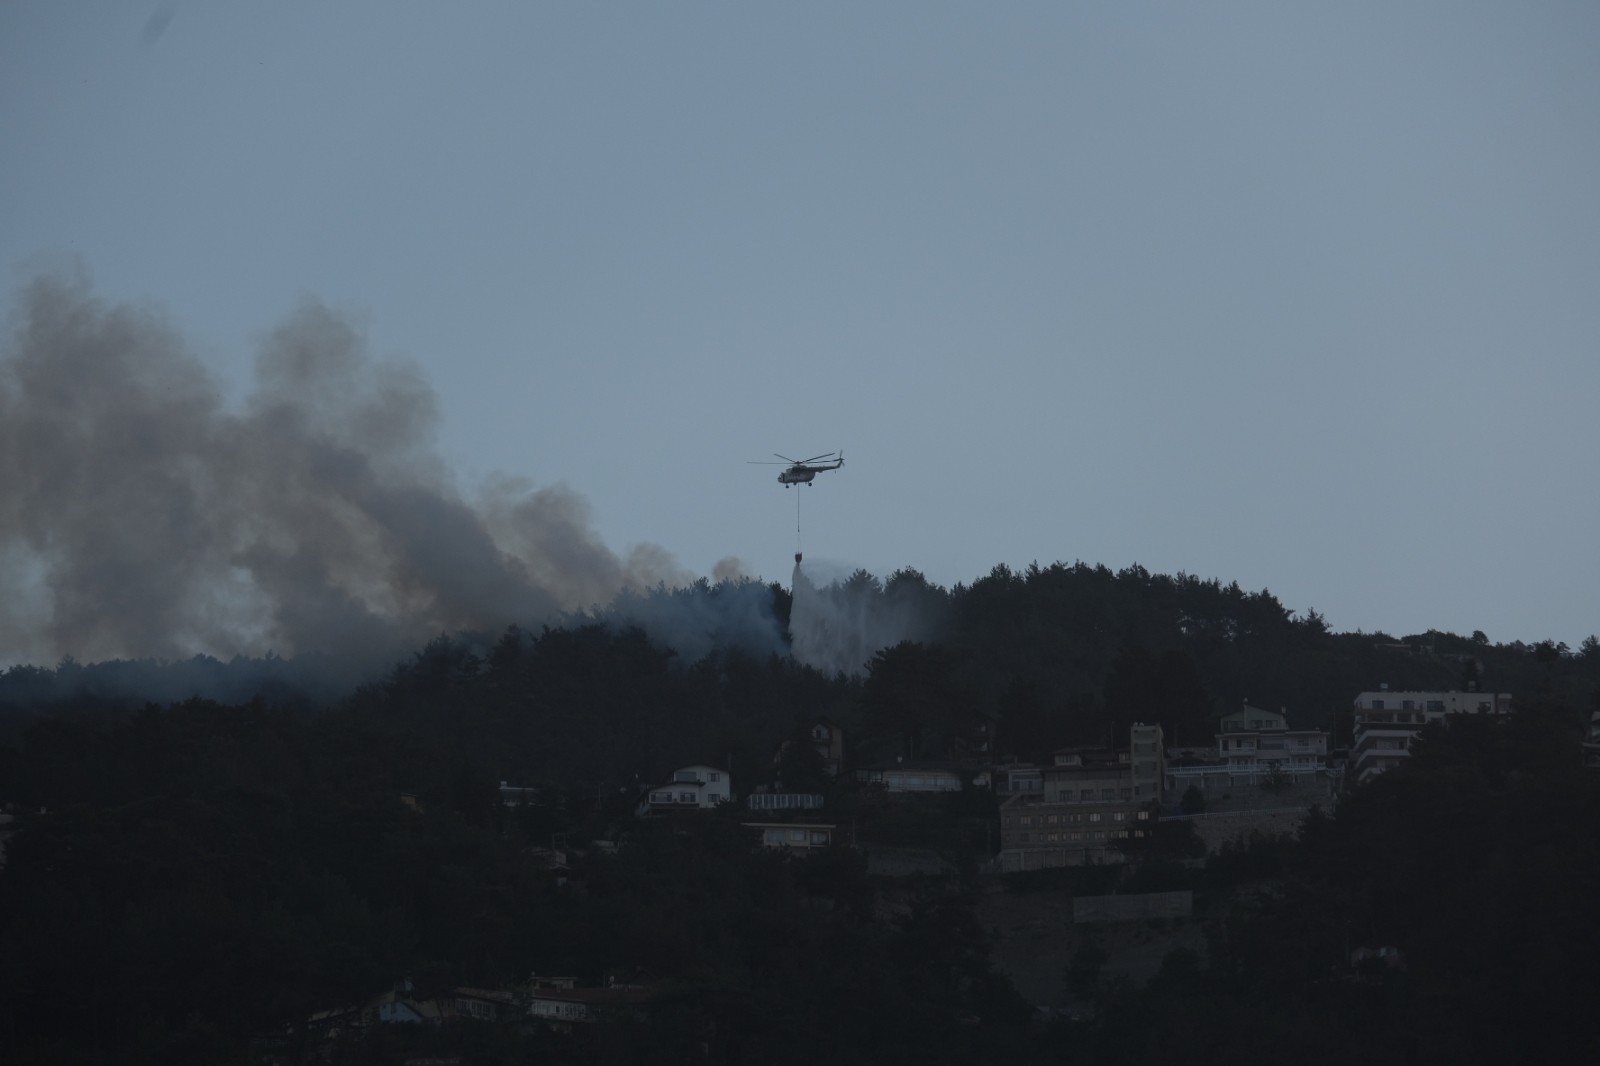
(191, 879)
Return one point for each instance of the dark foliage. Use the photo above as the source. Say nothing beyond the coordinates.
(190, 879)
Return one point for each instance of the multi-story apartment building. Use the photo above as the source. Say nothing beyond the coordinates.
(1148, 755)
(1387, 723)
(1085, 803)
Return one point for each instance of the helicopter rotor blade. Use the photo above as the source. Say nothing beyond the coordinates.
(814, 458)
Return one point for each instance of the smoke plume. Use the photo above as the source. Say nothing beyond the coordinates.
(837, 628)
(141, 517)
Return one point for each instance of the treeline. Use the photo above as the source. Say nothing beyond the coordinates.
(1062, 651)
(199, 876)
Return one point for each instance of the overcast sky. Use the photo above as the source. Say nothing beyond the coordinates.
(1305, 296)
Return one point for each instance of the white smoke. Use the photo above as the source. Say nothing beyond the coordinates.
(838, 627)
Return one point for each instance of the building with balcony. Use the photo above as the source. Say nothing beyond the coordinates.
(1251, 740)
(1386, 724)
(691, 788)
(1253, 747)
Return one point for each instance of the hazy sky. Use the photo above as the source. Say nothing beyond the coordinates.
(1305, 296)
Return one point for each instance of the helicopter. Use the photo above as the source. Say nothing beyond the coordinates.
(803, 471)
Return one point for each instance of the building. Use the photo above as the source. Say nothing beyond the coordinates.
(1254, 747)
(518, 796)
(560, 1005)
(1252, 741)
(1017, 777)
(827, 737)
(1387, 723)
(798, 836)
(821, 735)
(485, 1004)
(1145, 745)
(1088, 801)
(907, 776)
(692, 788)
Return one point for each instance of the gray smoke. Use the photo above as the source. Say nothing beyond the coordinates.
(140, 517)
(838, 627)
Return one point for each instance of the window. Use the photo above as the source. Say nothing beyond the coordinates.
(1408, 705)
(1087, 794)
(1377, 705)
(1144, 816)
(1075, 836)
(686, 797)
(1119, 816)
(1108, 793)
(818, 837)
(1027, 819)
(1095, 817)
(1436, 706)
(688, 776)
(1049, 819)
(713, 777)
(660, 797)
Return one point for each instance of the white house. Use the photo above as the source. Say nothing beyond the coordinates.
(1252, 740)
(1255, 747)
(691, 788)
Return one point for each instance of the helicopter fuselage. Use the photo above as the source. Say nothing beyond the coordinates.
(806, 470)
(805, 473)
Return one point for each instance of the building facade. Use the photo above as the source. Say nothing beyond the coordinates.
(1386, 723)
(1253, 747)
(691, 788)
(1088, 803)
(795, 836)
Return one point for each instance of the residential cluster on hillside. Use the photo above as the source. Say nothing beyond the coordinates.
(1086, 805)
(1092, 804)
